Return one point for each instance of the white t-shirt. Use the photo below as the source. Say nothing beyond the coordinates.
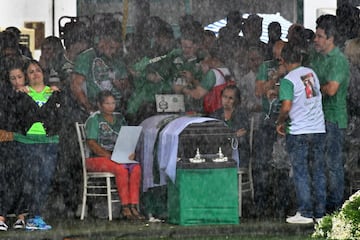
(220, 74)
(302, 87)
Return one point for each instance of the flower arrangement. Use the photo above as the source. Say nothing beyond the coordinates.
(343, 224)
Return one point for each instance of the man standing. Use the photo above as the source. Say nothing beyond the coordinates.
(188, 73)
(100, 68)
(305, 135)
(332, 68)
(267, 76)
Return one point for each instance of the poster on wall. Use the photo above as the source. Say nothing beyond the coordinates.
(39, 28)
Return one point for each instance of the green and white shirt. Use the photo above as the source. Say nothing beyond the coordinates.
(102, 131)
(301, 86)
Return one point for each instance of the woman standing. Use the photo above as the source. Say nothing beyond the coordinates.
(102, 129)
(38, 141)
(301, 120)
(11, 167)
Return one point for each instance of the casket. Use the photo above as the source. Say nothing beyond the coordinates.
(208, 137)
(204, 192)
(197, 193)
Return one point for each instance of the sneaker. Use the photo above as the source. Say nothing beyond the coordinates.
(154, 220)
(3, 226)
(37, 223)
(19, 224)
(297, 218)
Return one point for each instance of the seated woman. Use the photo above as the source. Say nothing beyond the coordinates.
(102, 129)
(236, 119)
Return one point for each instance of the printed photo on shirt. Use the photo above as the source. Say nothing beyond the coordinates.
(308, 81)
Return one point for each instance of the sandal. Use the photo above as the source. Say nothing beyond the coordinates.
(135, 213)
(126, 213)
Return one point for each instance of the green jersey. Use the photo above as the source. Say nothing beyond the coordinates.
(102, 131)
(333, 67)
(100, 72)
(266, 69)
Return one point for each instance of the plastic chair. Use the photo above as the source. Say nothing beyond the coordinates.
(245, 178)
(92, 187)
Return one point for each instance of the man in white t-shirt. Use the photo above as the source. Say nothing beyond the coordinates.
(301, 119)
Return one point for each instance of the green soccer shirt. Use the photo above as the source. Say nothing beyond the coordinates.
(333, 67)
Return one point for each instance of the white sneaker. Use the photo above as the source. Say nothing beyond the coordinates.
(153, 219)
(19, 224)
(3, 226)
(298, 219)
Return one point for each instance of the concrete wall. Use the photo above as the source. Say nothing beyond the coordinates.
(17, 12)
(208, 11)
(313, 9)
(352, 2)
(205, 11)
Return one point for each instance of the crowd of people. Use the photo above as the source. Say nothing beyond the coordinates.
(296, 88)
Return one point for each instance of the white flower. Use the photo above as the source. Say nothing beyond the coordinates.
(354, 196)
(340, 226)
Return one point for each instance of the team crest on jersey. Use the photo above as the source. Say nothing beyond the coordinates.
(103, 75)
(104, 127)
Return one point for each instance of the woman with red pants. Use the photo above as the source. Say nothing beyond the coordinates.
(102, 129)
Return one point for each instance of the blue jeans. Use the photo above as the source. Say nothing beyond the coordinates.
(39, 163)
(334, 165)
(306, 153)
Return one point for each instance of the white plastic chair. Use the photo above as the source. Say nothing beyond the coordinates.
(92, 187)
(245, 178)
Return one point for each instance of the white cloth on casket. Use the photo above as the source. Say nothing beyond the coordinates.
(168, 144)
(147, 142)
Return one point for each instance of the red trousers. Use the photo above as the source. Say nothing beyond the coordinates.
(127, 177)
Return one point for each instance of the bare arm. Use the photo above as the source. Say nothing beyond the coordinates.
(259, 88)
(330, 88)
(76, 84)
(284, 113)
(195, 93)
(262, 87)
(97, 149)
(241, 132)
(6, 136)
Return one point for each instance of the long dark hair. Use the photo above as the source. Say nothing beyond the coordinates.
(237, 93)
(7, 64)
(103, 95)
(32, 61)
(28, 63)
